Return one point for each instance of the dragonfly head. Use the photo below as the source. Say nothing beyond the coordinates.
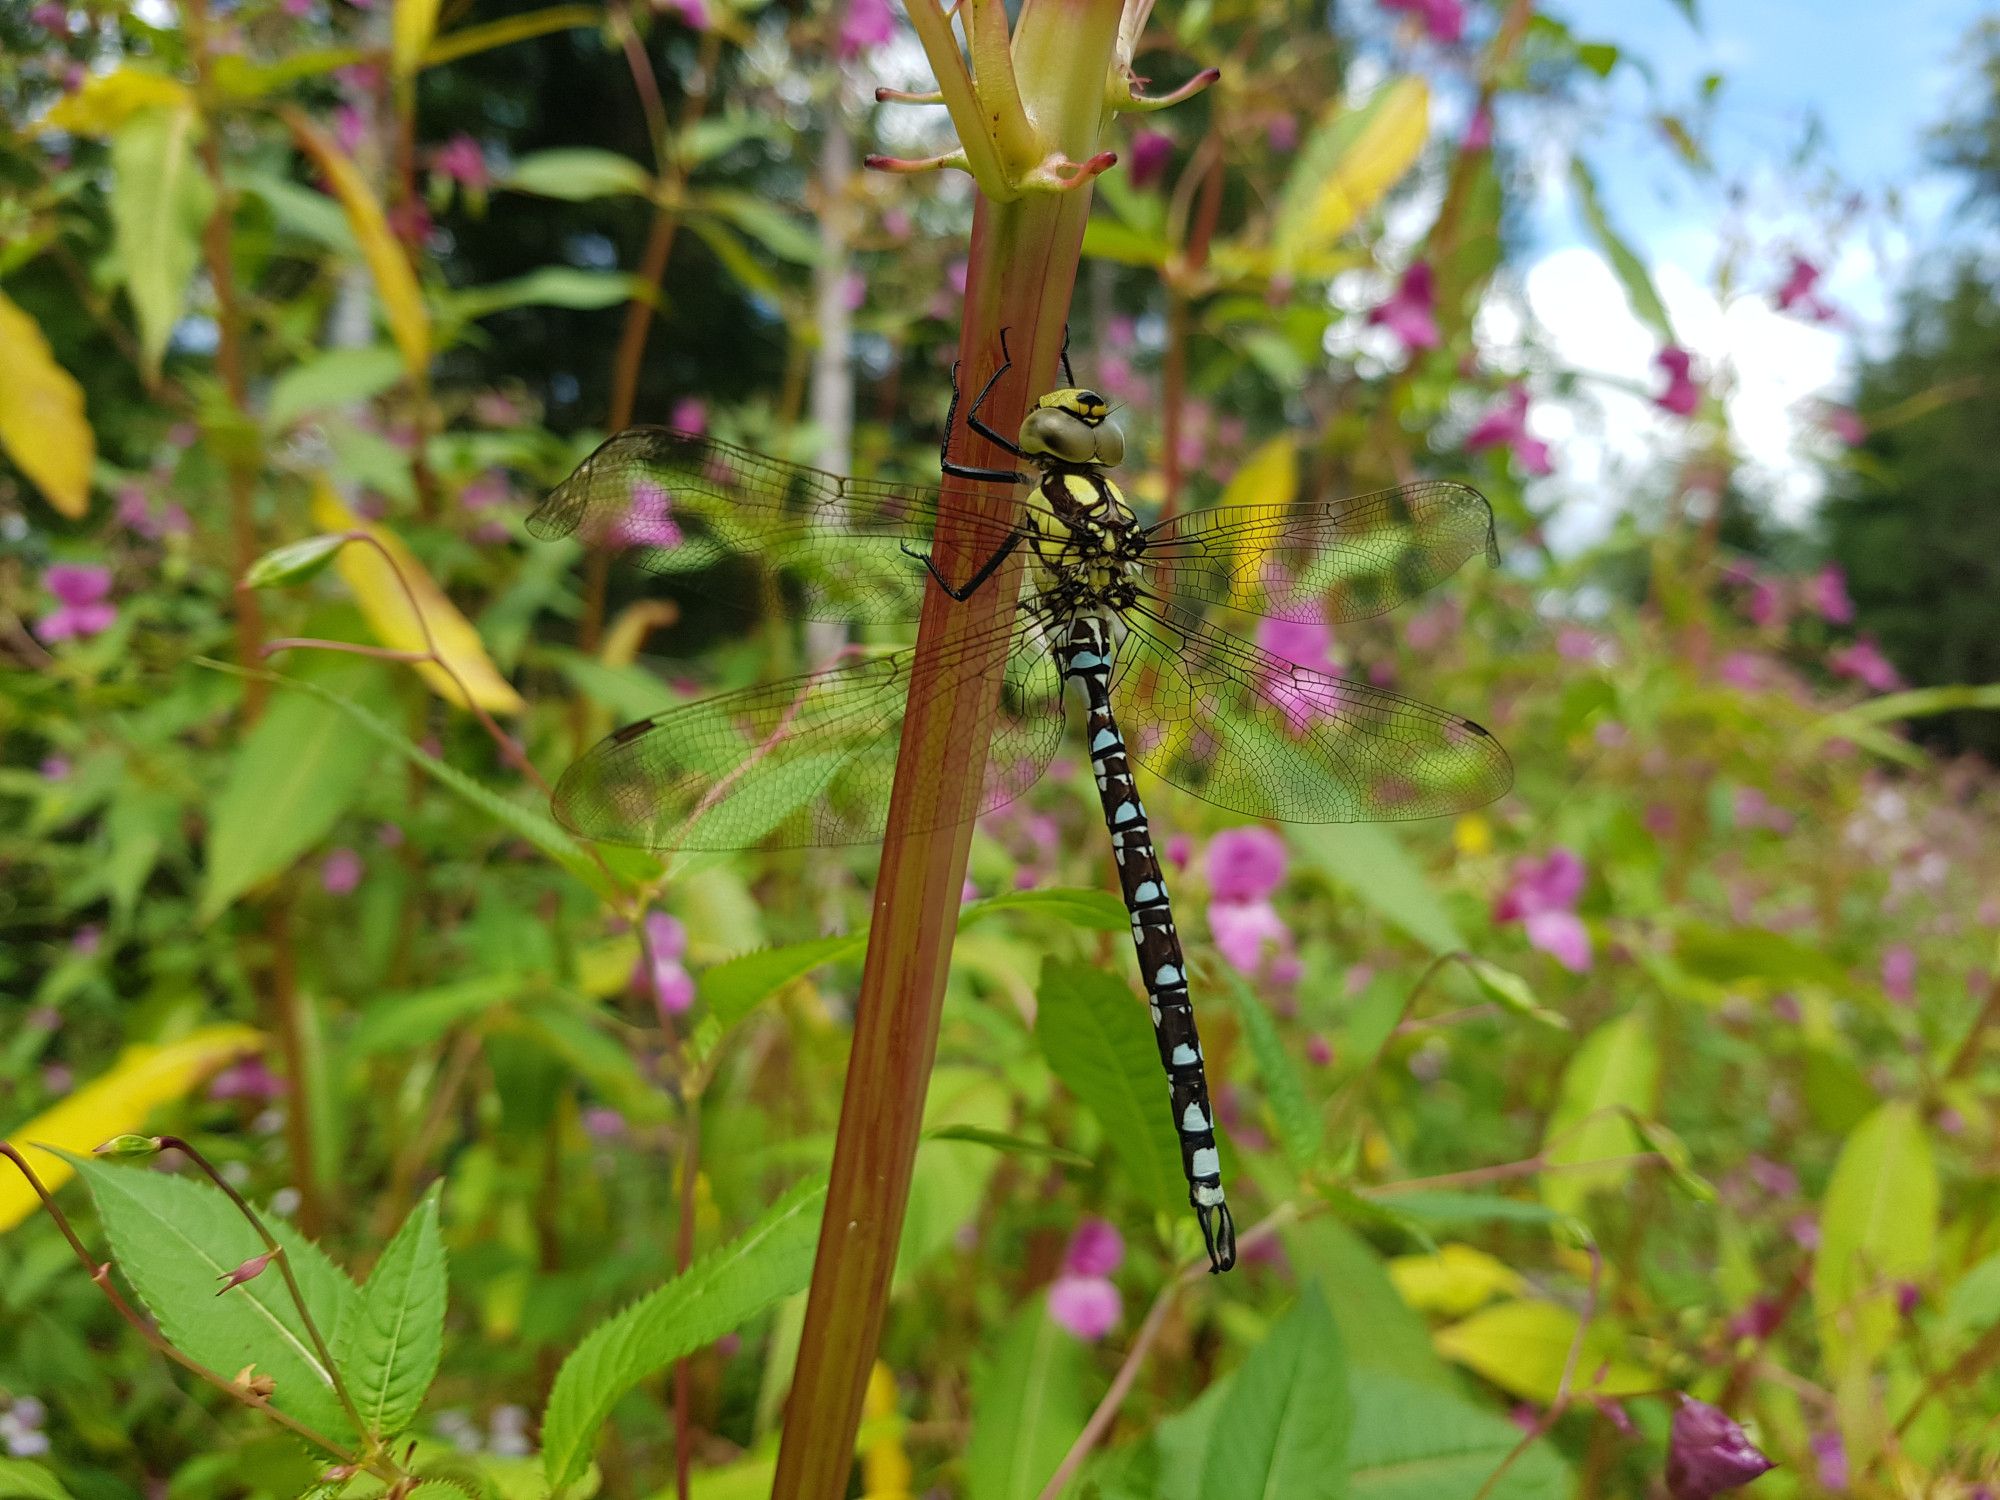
(1073, 427)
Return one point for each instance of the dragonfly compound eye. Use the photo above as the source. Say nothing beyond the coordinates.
(1072, 437)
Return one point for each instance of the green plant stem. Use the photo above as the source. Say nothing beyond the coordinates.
(289, 1014)
(284, 1264)
(1020, 274)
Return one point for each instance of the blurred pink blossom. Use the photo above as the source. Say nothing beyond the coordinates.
(350, 128)
(1309, 643)
(1282, 132)
(56, 768)
(1830, 1461)
(1246, 933)
(1479, 133)
(1088, 1307)
(1899, 973)
(647, 521)
(1707, 1453)
(1845, 423)
(689, 415)
(667, 979)
(1682, 396)
(1443, 19)
(1151, 151)
(867, 23)
(1410, 311)
(461, 160)
(1319, 1051)
(1542, 896)
(1766, 604)
(82, 609)
(340, 873)
(1797, 292)
(1827, 592)
(693, 13)
(1245, 864)
(1506, 426)
(1864, 662)
(248, 1079)
(1096, 1249)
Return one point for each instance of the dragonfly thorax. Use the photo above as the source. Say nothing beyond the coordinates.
(1072, 427)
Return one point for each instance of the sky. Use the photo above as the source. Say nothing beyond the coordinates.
(1876, 77)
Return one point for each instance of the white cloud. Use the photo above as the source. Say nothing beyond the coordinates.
(1610, 441)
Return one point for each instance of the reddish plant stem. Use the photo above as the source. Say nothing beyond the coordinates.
(288, 1014)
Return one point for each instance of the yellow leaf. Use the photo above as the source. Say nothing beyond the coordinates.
(42, 424)
(387, 606)
(395, 281)
(885, 1468)
(1352, 161)
(1265, 487)
(1454, 1281)
(140, 1081)
(411, 32)
(1522, 1348)
(1472, 836)
(108, 100)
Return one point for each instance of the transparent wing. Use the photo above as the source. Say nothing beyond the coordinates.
(809, 761)
(1251, 732)
(680, 504)
(1342, 559)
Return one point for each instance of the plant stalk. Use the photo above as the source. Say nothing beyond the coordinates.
(1020, 274)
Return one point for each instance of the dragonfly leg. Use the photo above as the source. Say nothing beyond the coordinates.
(970, 471)
(986, 569)
(1069, 375)
(972, 417)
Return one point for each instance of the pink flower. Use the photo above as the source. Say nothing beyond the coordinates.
(1282, 132)
(1682, 396)
(1707, 1453)
(689, 415)
(647, 521)
(340, 874)
(1088, 1307)
(1319, 1051)
(1766, 604)
(1408, 313)
(1096, 1249)
(1506, 426)
(1561, 935)
(1797, 291)
(56, 768)
(693, 13)
(1245, 864)
(350, 128)
(1542, 897)
(1443, 19)
(1830, 1460)
(1828, 593)
(1864, 662)
(461, 160)
(80, 591)
(1307, 642)
(1899, 973)
(1179, 850)
(1247, 932)
(868, 23)
(1846, 424)
(50, 16)
(248, 1079)
(248, 1271)
(659, 970)
(1151, 151)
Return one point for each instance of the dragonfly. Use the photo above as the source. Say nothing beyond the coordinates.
(1105, 603)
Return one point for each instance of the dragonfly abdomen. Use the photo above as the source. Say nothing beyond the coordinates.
(1086, 659)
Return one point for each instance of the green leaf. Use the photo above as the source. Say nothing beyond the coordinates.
(1099, 1041)
(550, 286)
(1027, 1407)
(174, 1239)
(577, 174)
(1012, 1145)
(1625, 264)
(339, 377)
(402, 1021)
(777, 231)
(1301, 1128)
(1456, 1210)
(1514, 993)
(1284, 1428)
(292, 778)
(21, 1480)
(1087, 907)
(1974, 1303)
(718, 1293)
(734, 987)
(1615, 1070)
(1370, 863)
(1378, 1328)
(159, 203)
(295, 562)
(1416, 1442)
(1877, 1226)
(1733, 955)
(390, 1351)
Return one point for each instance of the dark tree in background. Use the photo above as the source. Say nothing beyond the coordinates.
(1915, 517)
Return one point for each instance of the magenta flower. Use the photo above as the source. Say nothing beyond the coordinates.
(1479, 134)
(1083, 1299)
(648, 521)
(1830, 1461)
(868, 23)
(1506, 426)
(248, 1079)
(1864, 662)
(461, 160)
(1151, 151)
(689, 415)
(1542, 897)
(1179, 850)
(1845, 423)
(667, 979)
(350, 128)
(1682, 396)
(1828, 593)
(1443, 19)
(1247, 933)
(1282, 132)
(56, 768)
(1409, 312)
(1245, 864)
(1797, 292)
(82, 608)
(1899, 973)
(693, 13)
(50, 17)
(1707, 1453)
(1309, 643)
(341, 872)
